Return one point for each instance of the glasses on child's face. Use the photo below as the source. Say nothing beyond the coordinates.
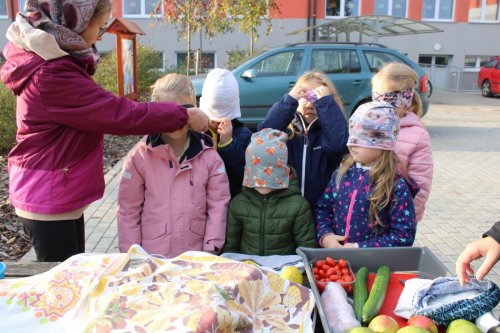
(102, 31)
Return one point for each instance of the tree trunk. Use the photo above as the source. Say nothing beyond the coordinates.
(188, 55)
(251, 43)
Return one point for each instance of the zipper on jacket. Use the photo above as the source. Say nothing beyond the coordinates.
(354, 194)
(304, 157)
(262, 222)
(65, 171)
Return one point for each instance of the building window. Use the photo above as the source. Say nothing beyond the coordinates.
(207, 60)
(437, 9)
(475, 62)
(3, 9)
(342, 8)
(138, 8)
(390, 7)
(483, 10)
(434, 61)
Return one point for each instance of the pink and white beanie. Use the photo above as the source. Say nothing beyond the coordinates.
(374, 125)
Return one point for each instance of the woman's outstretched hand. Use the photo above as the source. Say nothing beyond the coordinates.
(198, 120)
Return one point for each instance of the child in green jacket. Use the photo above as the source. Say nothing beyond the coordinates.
(269, 216)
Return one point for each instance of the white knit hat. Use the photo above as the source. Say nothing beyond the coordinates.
(220, 97)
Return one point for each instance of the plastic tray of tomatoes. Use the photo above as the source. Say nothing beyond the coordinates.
(333, 270)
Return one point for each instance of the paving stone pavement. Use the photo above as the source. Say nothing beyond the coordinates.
(465, 196)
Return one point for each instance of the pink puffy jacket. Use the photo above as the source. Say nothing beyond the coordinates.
(169, 207)
(415, 152)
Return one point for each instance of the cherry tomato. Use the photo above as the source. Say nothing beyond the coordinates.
(320, 263)
(347, 278)
(345, 271)
(342, 263)
(330, 261)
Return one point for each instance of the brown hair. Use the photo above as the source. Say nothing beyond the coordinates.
(320, 77)
(399, 76)
(173, 86)
(103, 7)
(382, 176)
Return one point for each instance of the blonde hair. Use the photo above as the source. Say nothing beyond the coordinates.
(399, 76)
(382, 175)
(172, 88)
(320, 77)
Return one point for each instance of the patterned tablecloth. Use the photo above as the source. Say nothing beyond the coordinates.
(137, 292)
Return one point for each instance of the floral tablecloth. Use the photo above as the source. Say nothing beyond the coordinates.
(137, 292)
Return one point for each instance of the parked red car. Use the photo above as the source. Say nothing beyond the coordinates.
(489, 77)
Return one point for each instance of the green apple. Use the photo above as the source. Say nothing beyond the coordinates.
(462, 326)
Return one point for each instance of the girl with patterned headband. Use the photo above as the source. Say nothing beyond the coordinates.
(368, 203)
(396, 84)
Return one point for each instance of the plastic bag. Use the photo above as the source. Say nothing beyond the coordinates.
(338, 309)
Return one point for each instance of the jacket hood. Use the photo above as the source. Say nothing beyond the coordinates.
(19, 67)
(198, 142)
(412, 185)
(410, 119)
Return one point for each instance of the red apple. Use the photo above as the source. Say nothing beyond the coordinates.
(383, 324)
(423, 322)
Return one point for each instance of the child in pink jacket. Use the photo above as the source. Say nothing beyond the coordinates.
(174, 190)
(395, 84)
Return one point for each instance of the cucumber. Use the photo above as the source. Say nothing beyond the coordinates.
(360, 291)
(377, 294)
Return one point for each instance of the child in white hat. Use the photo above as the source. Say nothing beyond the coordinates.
(220, 100)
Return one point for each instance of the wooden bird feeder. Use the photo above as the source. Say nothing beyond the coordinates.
(126, 56)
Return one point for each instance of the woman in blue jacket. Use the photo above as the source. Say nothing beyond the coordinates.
(317, 130)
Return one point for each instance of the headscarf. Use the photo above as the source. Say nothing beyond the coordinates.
(64, 20)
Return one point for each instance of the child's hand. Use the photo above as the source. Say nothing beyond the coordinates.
(225, 130)
(197, 120)
(351, 245)
(333, 241)
(298, 92)
(322, 91)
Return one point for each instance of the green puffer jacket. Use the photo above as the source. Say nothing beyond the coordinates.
(273, 224)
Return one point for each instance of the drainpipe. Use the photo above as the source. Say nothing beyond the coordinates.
(308, 20)
(12, 11)
(315, 2)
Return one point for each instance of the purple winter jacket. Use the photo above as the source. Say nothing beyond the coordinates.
(61, 115)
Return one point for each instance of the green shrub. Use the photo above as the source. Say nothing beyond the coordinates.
(7, 119)
(149, 69)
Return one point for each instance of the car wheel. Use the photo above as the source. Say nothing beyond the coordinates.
(486, 89)
(429, 88)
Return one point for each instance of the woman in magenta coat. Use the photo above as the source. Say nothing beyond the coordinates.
(56, 167)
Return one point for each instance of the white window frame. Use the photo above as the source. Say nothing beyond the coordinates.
(143, 13)
(477, 63)
(390, 6)
(342, 9)
(484, 5)
(436, 12)
(20, 5)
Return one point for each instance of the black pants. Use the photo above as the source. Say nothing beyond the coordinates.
(55, 240)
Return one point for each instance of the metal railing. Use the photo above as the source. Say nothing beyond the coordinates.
(452, 78)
